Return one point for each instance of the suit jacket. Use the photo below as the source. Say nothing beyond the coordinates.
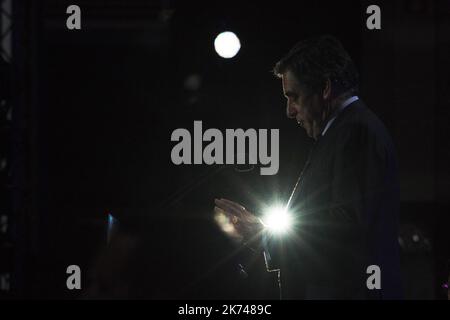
(346, 209)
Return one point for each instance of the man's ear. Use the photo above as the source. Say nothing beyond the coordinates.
(327, 90)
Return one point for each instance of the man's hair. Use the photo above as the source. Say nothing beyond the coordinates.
(315, 60)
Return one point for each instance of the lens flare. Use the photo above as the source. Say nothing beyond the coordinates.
(277, 220)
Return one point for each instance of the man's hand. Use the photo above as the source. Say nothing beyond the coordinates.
(247, 226)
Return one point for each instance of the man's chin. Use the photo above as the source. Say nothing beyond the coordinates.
(309, 132)
(308, 129)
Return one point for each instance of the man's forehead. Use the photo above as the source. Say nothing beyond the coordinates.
(289, 81)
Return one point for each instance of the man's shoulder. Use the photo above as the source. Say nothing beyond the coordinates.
(361, 120)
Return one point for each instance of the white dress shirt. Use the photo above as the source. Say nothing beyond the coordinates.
(342, 107)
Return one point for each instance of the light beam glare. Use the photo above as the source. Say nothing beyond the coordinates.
(277, 220)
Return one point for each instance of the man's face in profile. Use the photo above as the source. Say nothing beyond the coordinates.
(307, 110)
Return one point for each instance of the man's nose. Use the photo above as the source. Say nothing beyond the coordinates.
(290, 111)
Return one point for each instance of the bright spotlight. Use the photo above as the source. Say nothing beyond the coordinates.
(277, 220)
(227, 44)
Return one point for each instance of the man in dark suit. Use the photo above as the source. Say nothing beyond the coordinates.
(346, 200)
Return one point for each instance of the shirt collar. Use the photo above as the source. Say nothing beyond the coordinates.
(344, 105)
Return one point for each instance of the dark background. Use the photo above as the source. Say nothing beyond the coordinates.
(94, 110)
